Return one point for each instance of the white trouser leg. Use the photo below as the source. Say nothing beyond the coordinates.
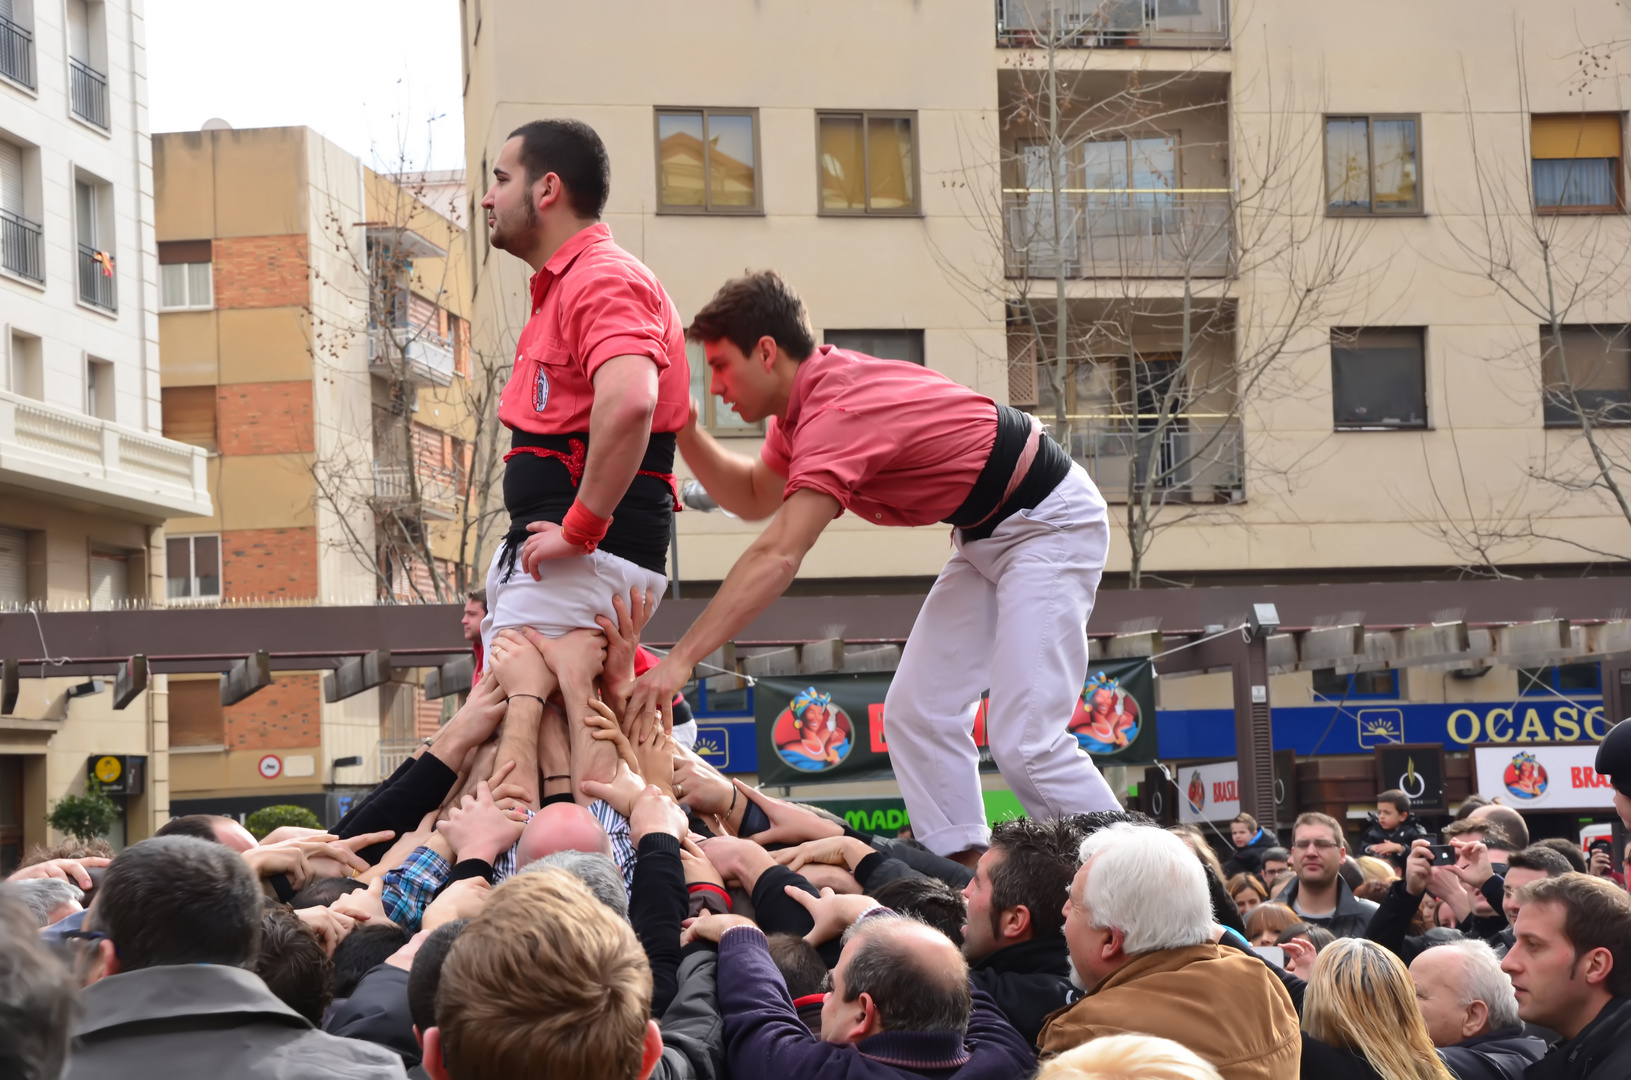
(929, 711)
(569, 594)
(1045, 564)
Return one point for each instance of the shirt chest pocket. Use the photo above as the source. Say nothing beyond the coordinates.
(552, 380)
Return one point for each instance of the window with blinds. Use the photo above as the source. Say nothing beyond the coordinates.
(11, 178)
(1586, 375)
(185, 279)
(13, 568)
(195, 712)
(1575, 163)
(189, 414)
(110, 579)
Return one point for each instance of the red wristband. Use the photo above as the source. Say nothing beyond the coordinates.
(582, 528)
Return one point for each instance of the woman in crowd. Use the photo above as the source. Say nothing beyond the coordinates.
(1247, 892)
(1265, 922)
(1361, 1021)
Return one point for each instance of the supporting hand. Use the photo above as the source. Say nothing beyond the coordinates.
(546, 542)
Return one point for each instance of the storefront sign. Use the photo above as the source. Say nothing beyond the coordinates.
(1542, 777)
(1360, 729)
(1417, 769)
(118, 774)
(1209, 792)
(831, 727)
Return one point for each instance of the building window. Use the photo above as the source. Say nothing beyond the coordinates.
(110, 579)
(192, 568)
(716, 416)
(17, 42)
(1596, 362)
(88, 61)
(13, 569)
(184, 275)
(867, 162)
(1575, 163)
(93, 221)
(99, 389)
(20, 251)
(189, 414)
(1560, 679)
(1336, 686)
(707, 161)
(1378, 378)
(27, 369)
(1372, 165)
(884, 344)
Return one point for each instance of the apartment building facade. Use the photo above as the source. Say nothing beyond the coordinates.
(1315, 294)
(315, 345)
(86, 478)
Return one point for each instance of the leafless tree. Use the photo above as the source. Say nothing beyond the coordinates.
(1197, 298)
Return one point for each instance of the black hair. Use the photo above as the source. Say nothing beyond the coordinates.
(363, 950)
(179, 900)
(572, 151)
(909, 994)
(1566, 848)
(426, 974)
(197, 826)
(1039, 859)
(324, 891)
(930, 899)
(293, 965)
(1543, 857)
(1396, 799)
(803, 972)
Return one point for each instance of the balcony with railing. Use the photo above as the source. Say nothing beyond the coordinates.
(88, 93)
(96, 280)
(437, 489)
(48, 448)
(414, 353)
(20, 251)
(1187, 458)
(16, 53)
(1120, 232)
(1115, 24)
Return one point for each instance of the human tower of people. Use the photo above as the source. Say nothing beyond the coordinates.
(556, 885)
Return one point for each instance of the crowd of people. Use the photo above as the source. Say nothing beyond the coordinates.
(674, 922)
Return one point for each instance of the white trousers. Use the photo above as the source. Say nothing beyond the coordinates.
(1008, 613)
(569, 595)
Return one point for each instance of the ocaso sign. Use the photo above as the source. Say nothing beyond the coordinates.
(1561, 723)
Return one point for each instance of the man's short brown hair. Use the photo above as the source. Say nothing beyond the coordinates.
(1596, 915)
(1325, 820)
(546, 980)
(1483, 829)
(756, 305)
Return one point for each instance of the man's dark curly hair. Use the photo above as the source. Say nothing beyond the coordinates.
(1039, 859)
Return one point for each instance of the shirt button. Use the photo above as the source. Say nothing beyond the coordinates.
(878, 516)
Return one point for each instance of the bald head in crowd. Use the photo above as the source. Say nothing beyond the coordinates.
(896, 974)
(561, 827)
(214, 827)
(1508, 820)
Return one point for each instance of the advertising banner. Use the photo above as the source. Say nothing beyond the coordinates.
(1417, 769)
(1543, 777)
(831, 727)
(1209, 792)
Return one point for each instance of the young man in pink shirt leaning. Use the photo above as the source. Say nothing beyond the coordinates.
(898, 444)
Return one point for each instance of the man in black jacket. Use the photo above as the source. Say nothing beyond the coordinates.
(1571, 969)
(1014, 940)
(1319, 896)
(1471, 1014)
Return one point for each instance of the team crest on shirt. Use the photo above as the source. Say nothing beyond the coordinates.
(540, 391)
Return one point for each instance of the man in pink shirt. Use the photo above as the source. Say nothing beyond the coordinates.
(897, 444)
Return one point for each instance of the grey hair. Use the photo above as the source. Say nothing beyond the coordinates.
(1147, 883)
(1483, 980)
(598, 872)
(42, 896)
(38, 1000)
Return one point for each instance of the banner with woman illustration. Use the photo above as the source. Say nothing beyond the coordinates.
(832, 727)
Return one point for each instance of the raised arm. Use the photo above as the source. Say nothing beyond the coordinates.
(763, 572)
(745, 486)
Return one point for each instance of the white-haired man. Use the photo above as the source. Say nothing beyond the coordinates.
(1143, 947)
(1472, 1013)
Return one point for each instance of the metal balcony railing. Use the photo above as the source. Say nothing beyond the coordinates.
(415, 353)
(20, 246)
(1192, 458)
(16, 53)
(88, 93)
(438, 488)
(96, 280)
(1119, 232)
(1126, 24)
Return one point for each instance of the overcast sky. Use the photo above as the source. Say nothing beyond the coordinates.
(378, 77)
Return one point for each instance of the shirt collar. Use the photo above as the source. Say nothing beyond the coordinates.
(576, 245)
(920, 1051)
(795, 395)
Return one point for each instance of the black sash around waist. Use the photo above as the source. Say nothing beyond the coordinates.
(542, 487)
(1050, 465)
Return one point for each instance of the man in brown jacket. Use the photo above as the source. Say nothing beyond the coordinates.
(1139, 926)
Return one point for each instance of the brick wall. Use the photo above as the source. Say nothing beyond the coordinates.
(264, 418)
(288, 713)
(261, 271)
(279, 563)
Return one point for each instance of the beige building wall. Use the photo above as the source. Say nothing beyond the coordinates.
(1318, 502)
